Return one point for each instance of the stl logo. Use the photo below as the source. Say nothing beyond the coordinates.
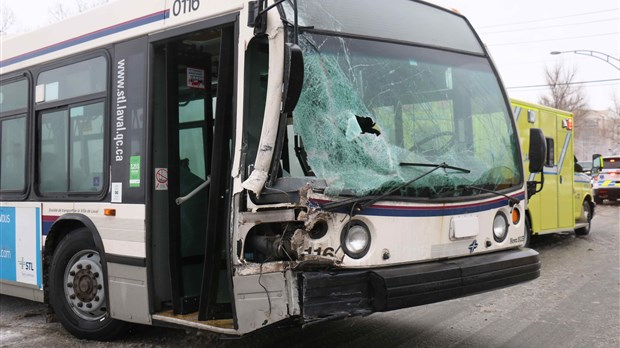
(473, 246)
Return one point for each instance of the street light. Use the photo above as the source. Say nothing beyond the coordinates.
(615, 62)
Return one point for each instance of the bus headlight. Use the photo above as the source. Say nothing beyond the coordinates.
(500, 227)
(355, 239)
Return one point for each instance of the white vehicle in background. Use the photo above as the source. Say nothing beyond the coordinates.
(606, 178)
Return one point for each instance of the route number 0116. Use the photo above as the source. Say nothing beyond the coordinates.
(180, 7)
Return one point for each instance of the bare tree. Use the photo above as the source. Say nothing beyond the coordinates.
(61, 10)
(615, 108)
(7, 19)
(83, 5)
(565, 95)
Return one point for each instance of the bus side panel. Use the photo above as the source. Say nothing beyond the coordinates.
(20, 250)
(128, 117)
(128, 293)
(261, 299)
(128, 281)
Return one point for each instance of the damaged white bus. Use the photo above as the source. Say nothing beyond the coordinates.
(231, 166)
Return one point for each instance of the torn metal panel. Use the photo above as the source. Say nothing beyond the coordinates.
(275, 32)
(261, 299)
(267, 216)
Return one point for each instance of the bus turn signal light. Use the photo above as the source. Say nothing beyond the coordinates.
(109, 212)
(516, 216)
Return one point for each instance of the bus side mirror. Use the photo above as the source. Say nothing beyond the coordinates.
(538, 150)
(257, 18)
(293, 76)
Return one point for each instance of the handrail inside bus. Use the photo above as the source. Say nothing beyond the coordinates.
(183, 199)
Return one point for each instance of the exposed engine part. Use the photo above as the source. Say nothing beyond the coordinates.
(270, 242)
(275, 247)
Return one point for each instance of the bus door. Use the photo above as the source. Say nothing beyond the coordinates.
(195, 120)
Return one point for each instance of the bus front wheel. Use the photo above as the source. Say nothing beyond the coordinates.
(77, 289)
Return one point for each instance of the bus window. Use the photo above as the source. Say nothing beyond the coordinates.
(13, 153)
(257, 55)
(53, 143)
(70, 137)
(13, 104)
(73, 80)
(14, 96)
(86, 141)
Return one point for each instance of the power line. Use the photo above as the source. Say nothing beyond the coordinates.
(565, 84)
(547, 19)
(548, 40)
(550, 26)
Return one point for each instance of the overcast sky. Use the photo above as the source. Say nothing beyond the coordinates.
(519, 34)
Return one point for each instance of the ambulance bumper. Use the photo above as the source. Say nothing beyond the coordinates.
(341, 293)
(607, 192)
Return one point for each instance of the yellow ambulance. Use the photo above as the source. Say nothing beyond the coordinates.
(565, 202)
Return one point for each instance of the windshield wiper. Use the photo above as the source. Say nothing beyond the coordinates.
(511, 199)
(358, 204)
(441, 165)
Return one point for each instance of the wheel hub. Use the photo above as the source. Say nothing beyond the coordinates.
(84, 285)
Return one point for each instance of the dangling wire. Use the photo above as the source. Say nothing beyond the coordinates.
(260, 275)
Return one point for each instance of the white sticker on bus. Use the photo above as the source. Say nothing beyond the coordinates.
(161, 179)
(117, 192)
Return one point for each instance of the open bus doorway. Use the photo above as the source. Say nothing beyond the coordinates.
(191, 143)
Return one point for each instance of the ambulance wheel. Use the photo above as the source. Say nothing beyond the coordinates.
(528, 233)
(77, 291)
(598, 200)
(587, 214)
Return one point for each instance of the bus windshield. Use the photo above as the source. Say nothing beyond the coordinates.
(370, 110)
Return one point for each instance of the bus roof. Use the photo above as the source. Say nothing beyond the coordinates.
(113, 22)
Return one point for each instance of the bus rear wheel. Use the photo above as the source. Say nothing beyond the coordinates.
(77, 289)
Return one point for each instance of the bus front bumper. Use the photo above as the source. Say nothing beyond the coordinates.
(341, 293)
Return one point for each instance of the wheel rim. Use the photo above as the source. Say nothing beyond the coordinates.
(83, 285)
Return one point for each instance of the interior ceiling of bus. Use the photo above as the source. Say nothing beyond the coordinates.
(194, 51)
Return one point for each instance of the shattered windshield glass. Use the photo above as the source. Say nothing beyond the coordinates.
(369, 108)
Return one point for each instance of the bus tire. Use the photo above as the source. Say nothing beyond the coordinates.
(587, 213)
(528, 233)
(77, 289)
